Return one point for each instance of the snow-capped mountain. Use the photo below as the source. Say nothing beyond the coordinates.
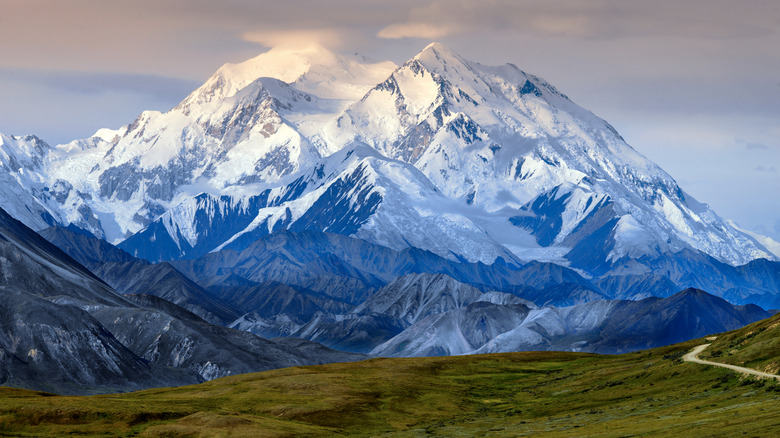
(160, 160)
(242, 128)
(509, 142)
(313, 69)
(353, 192)
(21, 159)
(468, 161)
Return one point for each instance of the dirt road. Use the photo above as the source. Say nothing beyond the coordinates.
(693, 357)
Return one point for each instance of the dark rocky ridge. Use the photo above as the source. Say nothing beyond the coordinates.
(66, 331)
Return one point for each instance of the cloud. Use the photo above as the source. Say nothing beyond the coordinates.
(756, 146)
(770, 169)
(752, 145)
(160, 87)
(595, 19)
(427, 31)
(297, 38)
(59, 114)
(564, 25)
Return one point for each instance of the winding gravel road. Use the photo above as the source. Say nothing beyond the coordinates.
(693, 357)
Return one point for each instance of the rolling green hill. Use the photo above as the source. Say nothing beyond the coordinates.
(649, 393)
(755, 346)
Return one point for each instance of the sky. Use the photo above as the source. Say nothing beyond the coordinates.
(694, 85)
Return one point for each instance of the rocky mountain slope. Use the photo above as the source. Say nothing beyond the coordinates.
(354, 295)
(129, 275)
(61, 321)
(597, 326)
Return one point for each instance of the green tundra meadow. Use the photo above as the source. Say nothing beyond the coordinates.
(555, 394)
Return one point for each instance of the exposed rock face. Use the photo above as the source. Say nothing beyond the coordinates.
(61, 348)
(415, 296)
(130, 275)
(49, 341)
(598, 326)
(64, 330)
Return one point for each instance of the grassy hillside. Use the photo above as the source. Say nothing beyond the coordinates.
(649, 393)
(754, 346)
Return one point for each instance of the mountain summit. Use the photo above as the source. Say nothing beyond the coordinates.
(314, 69)
(471, 162)
(511, 143)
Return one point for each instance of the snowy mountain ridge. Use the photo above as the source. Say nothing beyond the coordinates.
(21, 159)
(498, 137)
(444, 154)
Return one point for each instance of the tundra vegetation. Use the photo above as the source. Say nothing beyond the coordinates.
(647, 393)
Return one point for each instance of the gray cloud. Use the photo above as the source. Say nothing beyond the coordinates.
(752, 145)
(687, 96)
(159, 87)
(770, 169)
(593, 19)
(62, 106)
(163, 36)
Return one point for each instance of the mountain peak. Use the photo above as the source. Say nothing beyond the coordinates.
(285, 64)
(693, 294)
(438, 54)
(314, 69)
(438, 47)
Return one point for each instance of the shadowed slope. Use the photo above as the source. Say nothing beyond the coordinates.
(130, 275)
